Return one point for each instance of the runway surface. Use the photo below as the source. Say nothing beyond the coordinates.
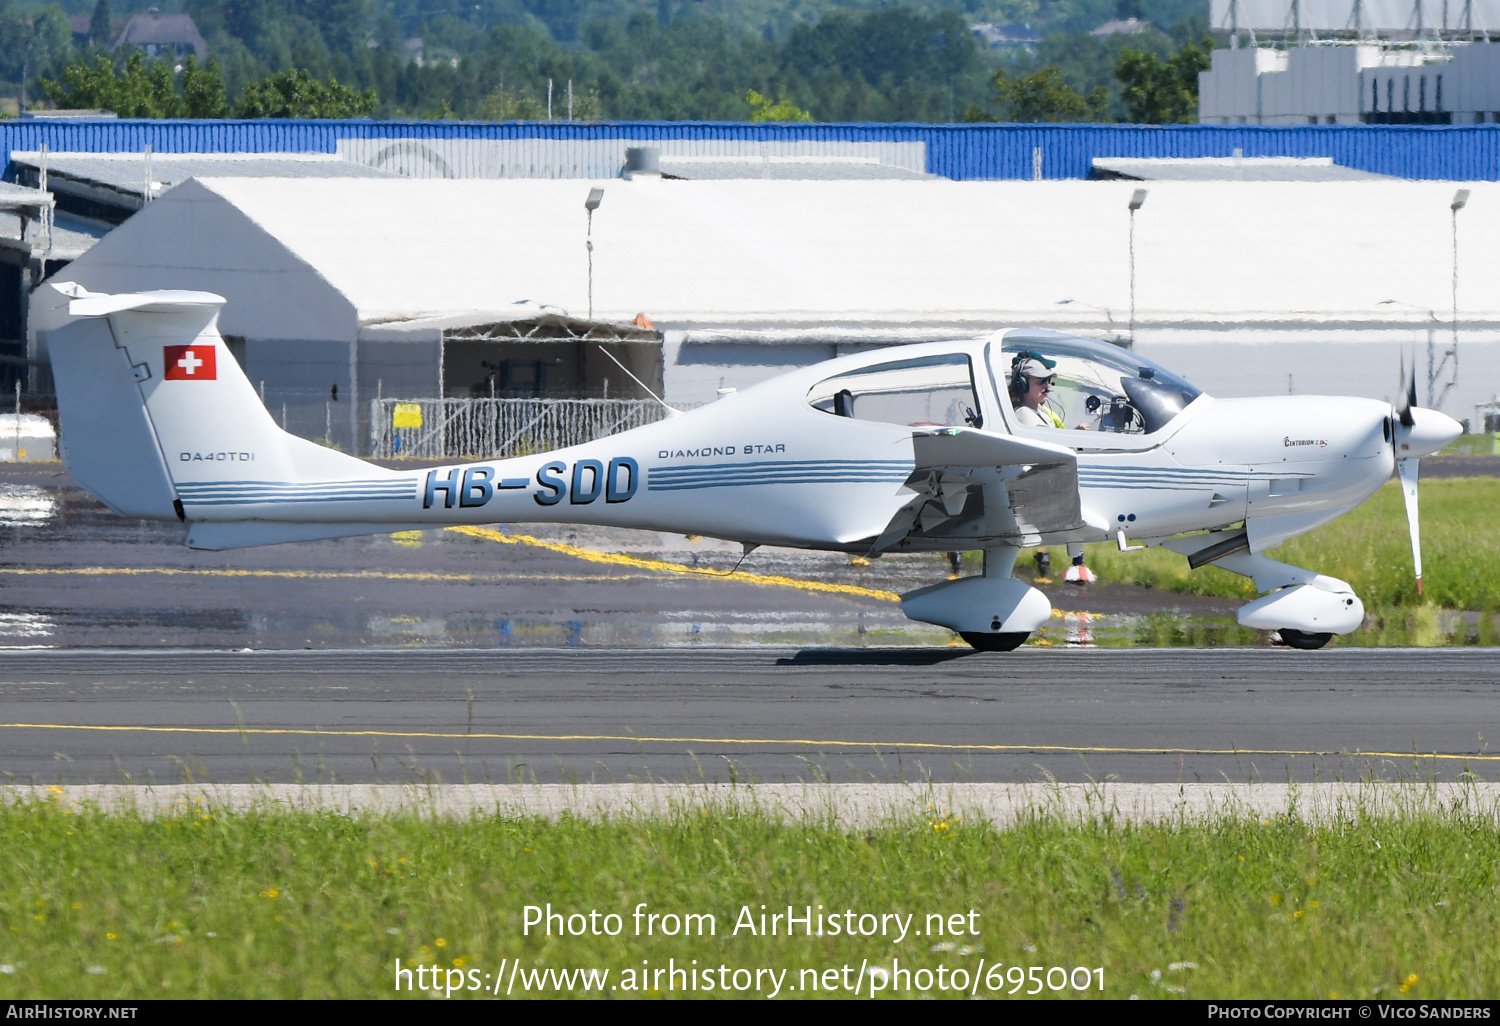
(1236, 715)
(75, 575)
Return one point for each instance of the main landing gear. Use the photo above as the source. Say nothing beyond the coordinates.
(1309, 640)
(994, 612)
(995, 642)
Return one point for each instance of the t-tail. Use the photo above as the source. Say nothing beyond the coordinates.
(159, 422)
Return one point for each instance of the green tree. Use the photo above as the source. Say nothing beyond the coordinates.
(203, 90)
(1042, 96)
(762, 109)
(101, 25)
(296, 94)
(142, 88)
(51, 43)
(1163, 92)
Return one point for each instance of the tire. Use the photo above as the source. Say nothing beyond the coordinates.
(994, 642)
(1306, 640)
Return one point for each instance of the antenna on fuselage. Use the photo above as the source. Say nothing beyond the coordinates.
(670, 411)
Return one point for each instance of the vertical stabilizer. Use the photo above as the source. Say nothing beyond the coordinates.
(159, 420)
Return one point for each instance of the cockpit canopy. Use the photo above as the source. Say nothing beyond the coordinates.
(1098, 386)
(930, 391)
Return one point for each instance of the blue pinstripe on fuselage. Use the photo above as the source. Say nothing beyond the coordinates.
(684, 477)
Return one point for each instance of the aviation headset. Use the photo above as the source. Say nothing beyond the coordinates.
(1018, 384)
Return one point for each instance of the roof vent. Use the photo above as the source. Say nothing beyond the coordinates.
(642, 162)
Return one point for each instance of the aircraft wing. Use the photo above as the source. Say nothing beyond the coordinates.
(973, 486)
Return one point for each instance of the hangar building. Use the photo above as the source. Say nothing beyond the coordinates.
(413, 288)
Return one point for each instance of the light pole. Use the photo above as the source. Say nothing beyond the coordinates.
(1435, 398)
(592, 204)
(1136, 200)
(1460, 199)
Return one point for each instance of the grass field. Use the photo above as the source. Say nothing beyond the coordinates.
(1370, 549)
(303, 904)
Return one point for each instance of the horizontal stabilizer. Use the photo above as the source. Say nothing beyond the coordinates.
(243, 534)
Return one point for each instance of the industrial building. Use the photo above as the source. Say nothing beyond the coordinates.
(339, 290)
(1349, 83)
(1265, 258)
(1346, 62)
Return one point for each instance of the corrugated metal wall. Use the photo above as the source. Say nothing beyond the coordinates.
(964, 152)
(595, 158)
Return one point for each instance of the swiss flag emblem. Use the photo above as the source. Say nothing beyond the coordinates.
(189, 363)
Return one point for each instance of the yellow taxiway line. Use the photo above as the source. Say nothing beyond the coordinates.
(803, 742)
(656, 566)
(619, 559)
(312, 575)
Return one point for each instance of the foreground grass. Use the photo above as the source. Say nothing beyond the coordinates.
(300, 904)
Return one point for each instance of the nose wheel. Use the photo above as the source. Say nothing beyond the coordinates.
(994, 642)
(1303, 639)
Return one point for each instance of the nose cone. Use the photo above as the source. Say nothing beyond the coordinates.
(1431, 432)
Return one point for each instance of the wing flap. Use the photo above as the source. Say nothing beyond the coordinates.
(972, 487)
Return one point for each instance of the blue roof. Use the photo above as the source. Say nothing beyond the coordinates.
(961, 152)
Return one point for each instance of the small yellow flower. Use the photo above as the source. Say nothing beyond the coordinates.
(39, 917)
(1312, 904)
(441, 942)
(401, 860)
(110, 936)
(270, 892)
(458, 963)
(1298, 914)
(1276, 899)
(78, 904)
(374, 862)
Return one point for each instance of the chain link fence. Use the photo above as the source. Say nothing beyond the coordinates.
(497, 428)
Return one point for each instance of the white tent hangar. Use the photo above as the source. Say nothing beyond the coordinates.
(399, 285)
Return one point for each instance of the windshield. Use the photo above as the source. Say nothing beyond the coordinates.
(928, 391)
(1095, 386)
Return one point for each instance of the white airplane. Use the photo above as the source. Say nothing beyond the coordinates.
(910, 449)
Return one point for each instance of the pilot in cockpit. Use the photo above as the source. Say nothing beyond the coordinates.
(1031, 377)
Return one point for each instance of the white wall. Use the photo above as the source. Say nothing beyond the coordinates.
(192, 238)
(1227, 366)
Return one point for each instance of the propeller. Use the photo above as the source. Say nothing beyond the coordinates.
(1406, 469)
(1417, 432)
(1408, 393)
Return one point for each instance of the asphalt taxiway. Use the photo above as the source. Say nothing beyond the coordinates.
(772, 715)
